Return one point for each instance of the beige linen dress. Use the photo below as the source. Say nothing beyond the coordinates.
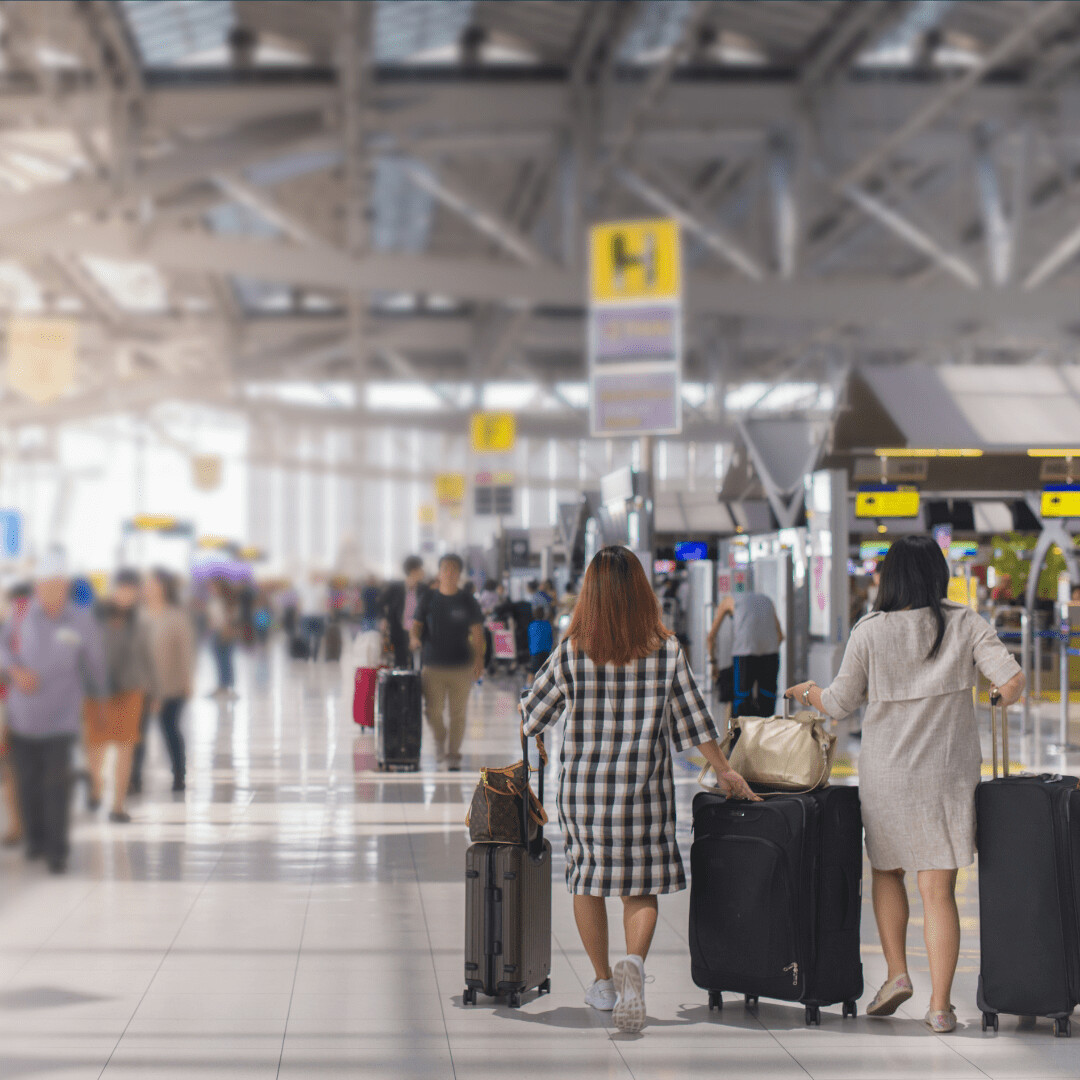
(920, 759)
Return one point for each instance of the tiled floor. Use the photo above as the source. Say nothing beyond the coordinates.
(298, 915)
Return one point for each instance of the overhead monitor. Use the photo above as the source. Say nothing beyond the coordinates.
(873, 549)
(691, 550)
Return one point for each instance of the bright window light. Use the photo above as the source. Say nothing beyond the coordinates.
(784, 396)
(135, 286)
(509, 395)
(18, 290)
(694, 394)
(574, 393)
(406, 397)
(326, 395)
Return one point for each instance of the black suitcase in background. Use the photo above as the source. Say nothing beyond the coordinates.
(776, 898)
(508, 915)
(332, 642)
(1029, 893)
(398, 720)
(299, 649)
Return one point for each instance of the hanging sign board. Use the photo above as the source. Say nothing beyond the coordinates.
(11, 533)
(1061, 501)
(450, 488)
(41, 356)
(886, 501)
(635, 328)
(206, 471)
(493, 432)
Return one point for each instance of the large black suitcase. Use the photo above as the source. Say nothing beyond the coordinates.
(508, 914)
(776, 898)
(1029, 893)
(398, 720)
(332, 642)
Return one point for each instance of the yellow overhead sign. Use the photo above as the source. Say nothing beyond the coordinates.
(450, 487)
(887, 503)
(1061, 501)
(41, 356)
(426, 514)
(493, 432)
(635, 260)
(154, 522)
(213, 543)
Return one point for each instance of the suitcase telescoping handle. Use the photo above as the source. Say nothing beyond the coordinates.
(996, 704)
(525, 795)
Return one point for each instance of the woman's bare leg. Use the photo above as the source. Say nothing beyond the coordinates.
(95, 764)
(125, 752)
(639, 923)
(590, 914)
(891, 912)
(941, 924)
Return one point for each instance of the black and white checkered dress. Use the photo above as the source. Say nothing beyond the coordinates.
(617, 792)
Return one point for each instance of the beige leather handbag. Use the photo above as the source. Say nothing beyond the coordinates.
(788, 753)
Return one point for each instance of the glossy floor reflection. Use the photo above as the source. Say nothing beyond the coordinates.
(297, 915)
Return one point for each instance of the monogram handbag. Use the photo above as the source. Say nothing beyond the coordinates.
(496, 813)
(792, 754)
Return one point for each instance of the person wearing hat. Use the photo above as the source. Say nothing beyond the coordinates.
(50, 659)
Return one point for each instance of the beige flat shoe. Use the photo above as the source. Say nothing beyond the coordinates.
(941, 1021)
(891, 996)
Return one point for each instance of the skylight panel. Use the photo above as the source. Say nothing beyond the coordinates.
(170, 33)
(407, 30)
(133, 286)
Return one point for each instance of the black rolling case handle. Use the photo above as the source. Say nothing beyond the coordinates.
(538, 846)
(995, 704)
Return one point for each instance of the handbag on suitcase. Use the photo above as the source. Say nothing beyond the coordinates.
(776, 898)
(398, 720)
(508, 910)
(1029, 892)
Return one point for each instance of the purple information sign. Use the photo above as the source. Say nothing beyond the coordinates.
(632, 402)
(630, 333)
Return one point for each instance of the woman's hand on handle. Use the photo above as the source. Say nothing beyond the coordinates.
(734, 786)
(804, 694)
(728, 780)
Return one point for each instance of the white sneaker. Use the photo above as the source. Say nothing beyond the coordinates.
(601, 995)
(629, 978)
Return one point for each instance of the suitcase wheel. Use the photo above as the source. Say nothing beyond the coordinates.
(813, 1015)
(751, 1001)
(469, 997)
(545, 986)
(989, 1020)
(851, 1008)
(515, 1000)
(716, 1000)
(1062, 1028)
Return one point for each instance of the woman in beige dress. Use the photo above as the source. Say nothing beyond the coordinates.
(913, 660)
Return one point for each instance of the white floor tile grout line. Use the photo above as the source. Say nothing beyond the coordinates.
(168, 950)
(431, 949)
(327, 813)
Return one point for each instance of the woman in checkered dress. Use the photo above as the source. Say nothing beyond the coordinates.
(628, 699)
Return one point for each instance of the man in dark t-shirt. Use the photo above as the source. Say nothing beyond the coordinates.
(448, 627)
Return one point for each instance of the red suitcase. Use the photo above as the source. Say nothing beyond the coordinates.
(363, 706)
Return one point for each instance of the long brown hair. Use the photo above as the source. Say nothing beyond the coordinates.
(617, 616)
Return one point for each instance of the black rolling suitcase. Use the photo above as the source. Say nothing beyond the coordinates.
(299, 648)
(1029, 893)
(332, 642)
(776, 898)
(398, 720)
(508, 914)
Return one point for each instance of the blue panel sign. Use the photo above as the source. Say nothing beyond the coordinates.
(11, 533)
(689, 550)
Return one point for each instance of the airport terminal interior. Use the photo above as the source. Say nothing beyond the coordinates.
(338, 337)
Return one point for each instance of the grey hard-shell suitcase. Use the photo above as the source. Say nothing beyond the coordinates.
(1029, 893)
(508, 914)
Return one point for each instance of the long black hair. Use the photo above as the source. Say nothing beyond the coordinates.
(915, 575)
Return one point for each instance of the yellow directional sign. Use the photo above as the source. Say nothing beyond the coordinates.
(885, 503)
(493, 432)
(154, 522)
(41, 356)
(426, 514)
(450, 487)
(635, 260)
(1061, 501)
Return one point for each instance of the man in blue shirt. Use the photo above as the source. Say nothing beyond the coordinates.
(51, 658)
(541, 641)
